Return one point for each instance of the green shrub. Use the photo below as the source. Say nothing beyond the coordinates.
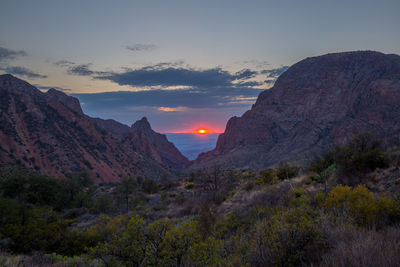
(249, 186)
(315, 177)
(288, 238)
(267, 176)
(361, 207)
(285, 171)
(189, 186)
(149, 186)
(180, 198)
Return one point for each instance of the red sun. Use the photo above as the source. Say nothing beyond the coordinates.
(202, 131)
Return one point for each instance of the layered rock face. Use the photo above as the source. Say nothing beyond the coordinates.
(317, 103)
(49, 132)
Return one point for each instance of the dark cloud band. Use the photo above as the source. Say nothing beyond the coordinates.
(8, 54)
(22, 71)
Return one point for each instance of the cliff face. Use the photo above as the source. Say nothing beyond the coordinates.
(318, 102)
(140, 137)
(49, 132)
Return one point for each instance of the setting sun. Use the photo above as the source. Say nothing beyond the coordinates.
(202, 131)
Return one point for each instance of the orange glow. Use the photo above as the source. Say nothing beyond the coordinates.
(202, 130)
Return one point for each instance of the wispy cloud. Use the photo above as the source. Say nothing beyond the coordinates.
(274, 73)
(22, 71)
(172, 109)
(64, 63)
(8, 54)
(141, 47)
(81, 70)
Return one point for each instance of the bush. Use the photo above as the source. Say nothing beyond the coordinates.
(285, 171)
(288, 238)
(361, 207)
(249, 186)
(267, 176)
(149, 186)
(315, 177)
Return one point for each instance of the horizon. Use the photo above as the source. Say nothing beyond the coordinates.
(181, 64)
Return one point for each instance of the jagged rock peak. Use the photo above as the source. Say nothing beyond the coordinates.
(142, 125)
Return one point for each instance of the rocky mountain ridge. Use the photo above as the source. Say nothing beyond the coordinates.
(49, 132)
(317, 103)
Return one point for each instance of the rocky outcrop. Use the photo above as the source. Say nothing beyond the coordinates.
(49, 132)
(140, 137)
(317, 103)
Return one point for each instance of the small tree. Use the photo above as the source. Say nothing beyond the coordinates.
(285, 171)
(127, 187)
(149, 186)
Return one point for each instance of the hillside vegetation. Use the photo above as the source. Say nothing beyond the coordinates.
(342, 211)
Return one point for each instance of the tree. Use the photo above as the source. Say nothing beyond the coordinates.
(285, 171)
(149, 186)
(155, 233)
(125, 188)
(122, 247)
(177, 242)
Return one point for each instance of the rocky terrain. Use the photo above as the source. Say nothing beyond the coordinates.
(140, 137)
(317, 103)
(49, 132)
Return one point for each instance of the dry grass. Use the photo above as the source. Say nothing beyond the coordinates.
(352, 247)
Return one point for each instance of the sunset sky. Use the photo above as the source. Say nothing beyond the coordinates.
(184, 64)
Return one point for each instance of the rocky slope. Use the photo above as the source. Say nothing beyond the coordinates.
(141, 138)
(318, 102)
(49, 132)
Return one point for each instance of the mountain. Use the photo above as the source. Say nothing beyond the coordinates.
(49, 132)
(317, 103)
(140, 137)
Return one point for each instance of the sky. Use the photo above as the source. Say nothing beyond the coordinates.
(182, 64)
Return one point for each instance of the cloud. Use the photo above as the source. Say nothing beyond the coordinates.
(166, 75)
(22, 71)
(172, 77)
(245, 74)
(275, 73)
(204, 98)
(64, 63)
(8, 54)
(172, 109)
(81, 70)
(141, 47)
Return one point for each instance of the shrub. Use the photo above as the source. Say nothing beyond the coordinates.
(149, 186)
(249, 186)
(189, 186)
(361, 207)
(180, 198)
(288, 238)
(267, 176)
(315, 177)
(285, 171)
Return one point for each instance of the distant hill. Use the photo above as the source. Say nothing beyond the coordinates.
(49, 132)
(317, 103)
